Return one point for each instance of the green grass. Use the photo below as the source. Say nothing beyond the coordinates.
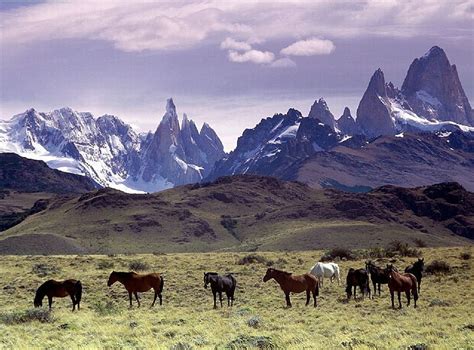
(258, 319)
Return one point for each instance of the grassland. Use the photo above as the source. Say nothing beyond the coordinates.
(443, 320)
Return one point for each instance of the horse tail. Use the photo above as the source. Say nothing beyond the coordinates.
(78, 291)
(162, 283)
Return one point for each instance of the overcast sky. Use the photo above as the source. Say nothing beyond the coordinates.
(229, 63)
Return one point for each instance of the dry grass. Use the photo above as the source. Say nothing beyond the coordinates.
(258, 319)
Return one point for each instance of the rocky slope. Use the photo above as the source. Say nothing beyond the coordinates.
(110, 152)
(249, 213)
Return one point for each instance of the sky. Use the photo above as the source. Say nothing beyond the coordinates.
(228, 63)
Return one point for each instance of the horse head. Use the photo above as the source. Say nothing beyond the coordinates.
(112, 278)
(207, 278)
(38, 302)
(269, 274)
(420, 264)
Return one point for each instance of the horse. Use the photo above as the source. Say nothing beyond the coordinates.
(377, 275)
(321, 270)
(134, 283)
(417, 270)
(294, 284)
(401, 283)
(59, 289)
(221, 284)
(358, 278)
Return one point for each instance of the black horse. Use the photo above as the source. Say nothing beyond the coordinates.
(377, 275)
(417, 270)
(358, 278)
(221, 284)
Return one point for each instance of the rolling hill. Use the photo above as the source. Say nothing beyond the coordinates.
(244, 213)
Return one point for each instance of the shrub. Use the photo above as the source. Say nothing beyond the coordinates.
(419, 242)
(439, 302)
(249, 342)
(402, 249)
(104, 309)
(105, 265)
(138, 266)
(30, 315)
(465, 256)
(43, 270)
(254, 322)
(181, 346)
(341, 253)
(438, 267)
(254, 259)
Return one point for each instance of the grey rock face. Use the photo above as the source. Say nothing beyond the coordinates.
(320, 110)
(347, 125)
(434, 91)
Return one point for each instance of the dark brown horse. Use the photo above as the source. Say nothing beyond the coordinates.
(398, 282)
(417, 270)
(135, 283)
(294, 284)
(59, 289)
(357, 278)
(378, 275)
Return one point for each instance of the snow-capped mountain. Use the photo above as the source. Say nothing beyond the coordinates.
(431, 104)
(431, 99)
(110, 151)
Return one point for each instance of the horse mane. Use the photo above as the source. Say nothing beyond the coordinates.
(125, 274)
(283, 272)
(212, 273)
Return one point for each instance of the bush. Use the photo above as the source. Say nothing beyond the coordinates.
(250, 342)
(402, 249)
(419, 242)
(105, 265)
(30, 315)
(138, 266)
(254, 259)
(181, 346)
(465, 256)
(254, 322)
(43, 270)
(438, 267)
(104, 309)
(341, 253)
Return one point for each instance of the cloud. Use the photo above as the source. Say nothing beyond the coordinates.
(284, 62)
(254, 56)
(232, 44)
(157, 25)
(309, 47)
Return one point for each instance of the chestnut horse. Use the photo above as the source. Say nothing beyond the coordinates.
(135, 283)
(398, 282)
(59, 289)
(294, 284)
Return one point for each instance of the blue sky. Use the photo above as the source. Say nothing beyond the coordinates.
(229, 63)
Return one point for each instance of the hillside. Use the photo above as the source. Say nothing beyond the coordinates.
(245, 213)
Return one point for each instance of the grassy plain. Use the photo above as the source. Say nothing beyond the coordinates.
(443, 320)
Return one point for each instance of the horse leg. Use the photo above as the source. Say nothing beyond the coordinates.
(314, 297)
(73, 302)
(287, 297)
(136, 297)
(220, 297)
(154, 299)
(215, 303)
(130, 298)
(308, 296)
(379, 288)
(399, 299)
(355, 292)
(375, 289)
(419, 285)
(50, 302)
(392, 297)
(407, 293)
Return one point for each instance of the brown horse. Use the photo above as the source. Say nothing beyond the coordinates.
(135, 283)
(294, 284)
(59, 289)
(398, 282)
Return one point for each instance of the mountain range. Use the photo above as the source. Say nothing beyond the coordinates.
(420, 134)
(110, 152)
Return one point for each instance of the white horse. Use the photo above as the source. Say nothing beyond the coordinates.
(321, 270)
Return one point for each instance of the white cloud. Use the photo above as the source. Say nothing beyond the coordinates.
(254, 56)
(284, 62)
(232, 44)
(309, 47)
(160, 25)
